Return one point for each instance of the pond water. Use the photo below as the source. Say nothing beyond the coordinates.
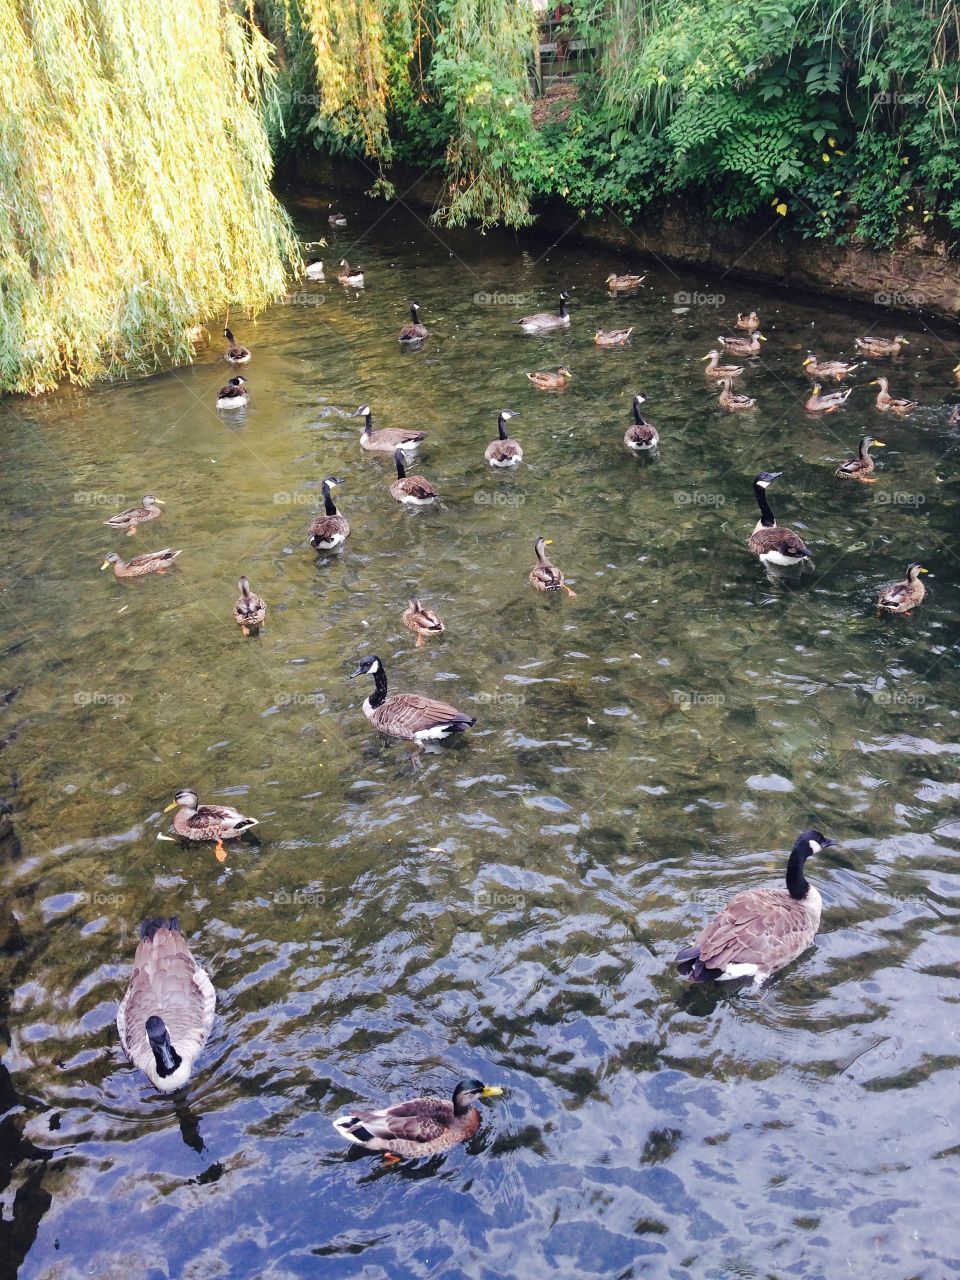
(511, 908)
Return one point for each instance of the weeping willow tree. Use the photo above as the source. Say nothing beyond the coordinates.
(134, 183)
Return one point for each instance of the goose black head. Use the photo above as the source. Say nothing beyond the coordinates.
(238, 381)
(368, 667)
(767, 477)
(810, 842)
(164, 1054)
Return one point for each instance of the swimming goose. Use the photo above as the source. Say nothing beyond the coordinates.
(642, 437)
(421, 620)
(544, 321)
(551, 381)
(330, 530)
(772, 544)
(836, 369)
(132, 519)
(750, 322)
(203, 822)
(732, 400)
(761, 930)
(828, 402)
(861, 467)
(544, 575)
(409, 716)
(233, 395)
(881, 346)
(887, 403)
(140, 566)
(743, 346)
(314, 270)
(387, 439)
(166, 1014)
(421, 1127)
(504, 452)
(902, 597)
(414, 331)
(249, 610)
(348, 275)
(717, 370)
(414, 491)
(337, 220)
(235, 353)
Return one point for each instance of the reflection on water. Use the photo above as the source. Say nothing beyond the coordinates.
(511, 909)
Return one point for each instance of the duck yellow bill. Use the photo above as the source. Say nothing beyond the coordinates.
(878, 444)
(492, 1091)
(171, 805)
(105, 565)
(548, 542)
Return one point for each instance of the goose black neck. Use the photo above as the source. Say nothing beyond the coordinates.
(797, 885)
(766, 515)
(401, 469)
(413, 313)
(563, 308)
(502, 427)
(367, 423)
(379, 694)
(164, 1054)
(328, 504)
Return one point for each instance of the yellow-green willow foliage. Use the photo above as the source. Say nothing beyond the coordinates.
(134, 183)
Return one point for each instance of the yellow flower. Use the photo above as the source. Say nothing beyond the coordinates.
(782, 209)
(825, 158)
(832, 142)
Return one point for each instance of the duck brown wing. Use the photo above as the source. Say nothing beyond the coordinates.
(422, 1120)
(762, 926)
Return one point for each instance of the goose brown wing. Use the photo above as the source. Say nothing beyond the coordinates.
(396, 436)
(416, 487)
(168, 982)
(777, 539)
(324, 528)
(762, 926)
(409, 713)
(501, 450)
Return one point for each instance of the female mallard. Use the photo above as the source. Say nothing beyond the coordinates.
(415, 491)
(881, 346)
(732, 400)
(761, 930)
(887, 403)
(233, 395)
(235, 353)
(387, 439)
(612, 337)
(314, 270)
(717, 370)
(348, 275)
(823, 369)
(132, 519)
(544, 321)
(196, 821)
(748, 321)
(902, 597)
(826, 403)
(409, 716)
(167, 1011)
(421, 620)
(551, 381)
(743, 346)
(504, 452)
(421, 1127)
(140, 566)
(250, 610)
(331, 530)
(623, 284)
(544, 575)
(414, 331)
(775, 546)
(642, 437)
(861, 467)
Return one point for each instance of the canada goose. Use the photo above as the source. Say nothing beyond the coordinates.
(551, 381)
(387, 439)
(167, 1010)
(348, 275)
(504, 452)
(250, 610)
(902, 597)
(544, 575)
(760, 930)
(330, 530)
(750, 322)
(414, 331)
(235, 353)
(337, 220)
(743, 346)
(415, 491)
(421, 620)
(887, 403)
(421, 1127)
(642, 437)
(717, 370)
(861, 467)
(202, 822)
(136, 516)
(544, 321)
(409, 716)
(827, 403)
(314, 270)
(623, 284)
(139, 566)
(731, 400)
(836, 369)
(233, 395)
(881, 346)
(771, 543)
(612, 337)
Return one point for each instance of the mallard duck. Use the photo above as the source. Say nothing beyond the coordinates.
(612, 337)
(861, 467)
(544, 321)
(779, 547)
(743, 346)
(887, 403)
(421, 620)
(421, 1127)
(828, 403)
(233, 395)
(551, 381)
(881, 346)
(732, 400)
(331, 530)
(314, 270)
(749, 321)
(348, 275)
(902, 597)
(250, 610)
(204, 822)
(415, 491)
(136, 516)
(409, 716)
(544, 575)
(387, 439)
(623, 284)
(337, 219)
(414, 331)
(642, 437)
(717, 370)
(504, 452)
(140, 566)
(821, 369)
(235, 353)
(761, 930)
(167, 1011)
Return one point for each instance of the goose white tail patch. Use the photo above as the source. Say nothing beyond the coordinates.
(777, 557)
(744, 970)
(436, 734)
